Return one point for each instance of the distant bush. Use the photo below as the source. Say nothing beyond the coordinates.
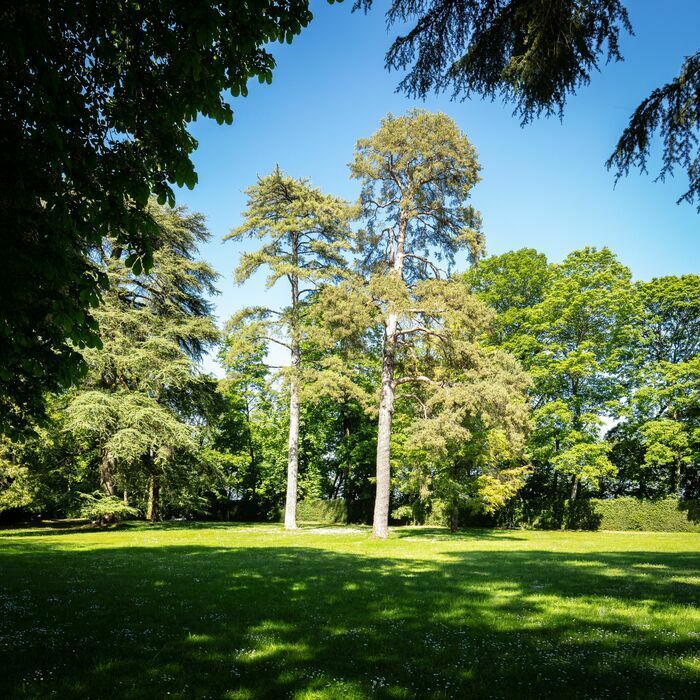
(319, 510)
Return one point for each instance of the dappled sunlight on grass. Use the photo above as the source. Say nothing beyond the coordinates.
(251, 611)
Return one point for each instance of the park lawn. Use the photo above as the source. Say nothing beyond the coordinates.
(249, 611)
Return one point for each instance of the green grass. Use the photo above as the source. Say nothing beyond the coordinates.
(241, 611)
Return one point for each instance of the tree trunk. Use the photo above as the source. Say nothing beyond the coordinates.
(380, 527)
(125, 496)
(454, 516)
(290, 511)
(574, 488)
(106, 473)
(253, 460)
(152, 512)
(386, 409)
(677, 478)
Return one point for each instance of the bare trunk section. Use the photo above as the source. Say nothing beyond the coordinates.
(454, 516)
(677, 478)
(107, 473)
(290, 510)
(380, 526)
(574, 488)
(152, 511)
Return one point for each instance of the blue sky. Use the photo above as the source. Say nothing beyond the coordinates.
(543, 186)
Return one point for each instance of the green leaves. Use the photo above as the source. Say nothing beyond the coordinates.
(586, 461)
(100, 507)
(107, 95)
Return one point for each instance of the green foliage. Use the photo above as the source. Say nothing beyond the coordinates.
(658, 515)
(96, 101)
(249, 443)
(303, 231)
(476, 397)
(319, 510)
(505, 49)
(574, 330)
(666, 442)
(463, 443)
(511, 284)
(535, 54)
(587, 462)
(138, 410)
(658, 444)
(103, 508)
(419, 167)
(17, 488)
(670, 112)
(304, 237)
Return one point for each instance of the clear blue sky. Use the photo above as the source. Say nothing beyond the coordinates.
(544, 185)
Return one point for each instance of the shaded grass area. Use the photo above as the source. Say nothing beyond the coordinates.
(222, 611)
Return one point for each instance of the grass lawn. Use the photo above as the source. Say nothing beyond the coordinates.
(241, 611)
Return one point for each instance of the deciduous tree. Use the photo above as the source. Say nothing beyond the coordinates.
(95, 104)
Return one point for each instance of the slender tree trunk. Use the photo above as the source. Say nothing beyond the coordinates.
(251, 453)
(677, 478)
(574, 488)
(335, 486)
(386, 410)
(380, 526)
(344, 473)
(454, 515)
(125, 496)
(152, 512)
(290, 511)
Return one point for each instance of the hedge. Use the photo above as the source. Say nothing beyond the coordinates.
(660, 515)
(319, 510)
(624, 513)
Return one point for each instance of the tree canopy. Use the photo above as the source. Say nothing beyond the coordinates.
(95, 104)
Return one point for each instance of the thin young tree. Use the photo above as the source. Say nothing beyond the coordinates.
(417, 173)
(304, 235)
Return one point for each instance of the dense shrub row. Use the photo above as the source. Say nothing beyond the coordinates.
(625, 513)
(662, 515)
(319, 510)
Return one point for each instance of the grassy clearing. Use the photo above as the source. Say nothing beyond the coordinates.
(241, 611)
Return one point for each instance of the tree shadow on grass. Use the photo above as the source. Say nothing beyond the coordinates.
(295, 621)
(80, 527)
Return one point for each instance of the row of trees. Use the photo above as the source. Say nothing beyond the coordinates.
(411, 382)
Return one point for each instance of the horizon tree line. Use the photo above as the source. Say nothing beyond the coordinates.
(446, 390)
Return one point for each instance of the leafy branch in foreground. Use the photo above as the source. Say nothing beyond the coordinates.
(535, 54)
(673, 111)
(96, 102)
